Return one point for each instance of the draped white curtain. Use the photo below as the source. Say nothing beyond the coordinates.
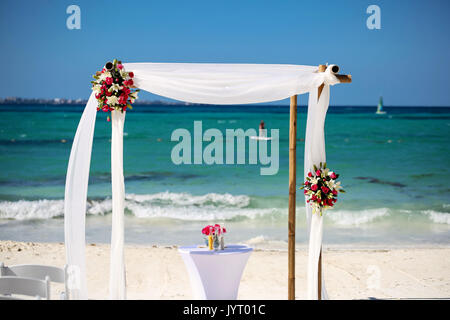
(75, 200)
(314, 154)
(226, 83)
(197, 83)
(117, 286)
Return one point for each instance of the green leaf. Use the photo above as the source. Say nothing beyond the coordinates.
(315, 168)
(342, 190)
(324, 165)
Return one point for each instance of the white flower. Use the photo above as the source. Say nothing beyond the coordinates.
(97, 88)
(112, 100)
(105, 75)
(123, 73)
(115, 87)
(330, 184)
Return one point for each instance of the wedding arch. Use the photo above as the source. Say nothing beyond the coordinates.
(208, 84)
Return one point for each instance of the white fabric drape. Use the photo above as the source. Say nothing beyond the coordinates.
(196, 83)
(314, 154)
(227, 83)
(75, 200)
(117, 285)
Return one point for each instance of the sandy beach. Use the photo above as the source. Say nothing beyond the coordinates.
(159, 272)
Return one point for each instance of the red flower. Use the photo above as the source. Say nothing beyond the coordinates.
(334, 192)
(305, 191)
(306, 183)
(314, 198)
(131, 74)
(109, 81)
(309, 174)
(130, 82)
(318, 173)
(325, 189)
(120, 66)
(224, 230)
(333, 176)
(314, 187)
(123, 99)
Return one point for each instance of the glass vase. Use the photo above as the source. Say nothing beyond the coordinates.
(216, 243)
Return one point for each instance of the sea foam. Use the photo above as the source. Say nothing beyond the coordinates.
(356, 217)
(438, 217)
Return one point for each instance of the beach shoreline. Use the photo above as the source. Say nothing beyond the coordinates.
(351, 271)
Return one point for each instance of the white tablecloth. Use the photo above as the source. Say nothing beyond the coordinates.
(215, 275)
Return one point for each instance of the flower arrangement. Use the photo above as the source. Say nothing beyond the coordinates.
(321, 188)
(213, 235)
(112, 87)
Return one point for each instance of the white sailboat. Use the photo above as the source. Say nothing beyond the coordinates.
(380, 107)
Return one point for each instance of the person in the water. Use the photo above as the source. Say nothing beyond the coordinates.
(262, 132)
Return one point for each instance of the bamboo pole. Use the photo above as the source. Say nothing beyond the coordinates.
(322, 68)
(319, 282)
(292, 195)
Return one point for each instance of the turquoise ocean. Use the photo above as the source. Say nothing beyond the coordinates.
(394, 167)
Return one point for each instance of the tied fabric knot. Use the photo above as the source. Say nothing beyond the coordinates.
(328, 76)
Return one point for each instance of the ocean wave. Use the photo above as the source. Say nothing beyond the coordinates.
(212, 206)
(438, 217)
(182, 206)
(186, 199)
(38, 209)
(356, 217)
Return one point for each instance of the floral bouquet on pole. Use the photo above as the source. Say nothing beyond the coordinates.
(113, 87)
(213, 235)
(321, 188)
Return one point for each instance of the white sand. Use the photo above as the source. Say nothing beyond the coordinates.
(159, 272)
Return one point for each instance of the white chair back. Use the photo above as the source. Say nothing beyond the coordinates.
(25, 286)
(37, 271)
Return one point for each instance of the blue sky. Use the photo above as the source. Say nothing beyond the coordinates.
(407, 61)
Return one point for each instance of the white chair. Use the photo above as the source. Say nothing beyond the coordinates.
(40, 289)
(40, 272)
